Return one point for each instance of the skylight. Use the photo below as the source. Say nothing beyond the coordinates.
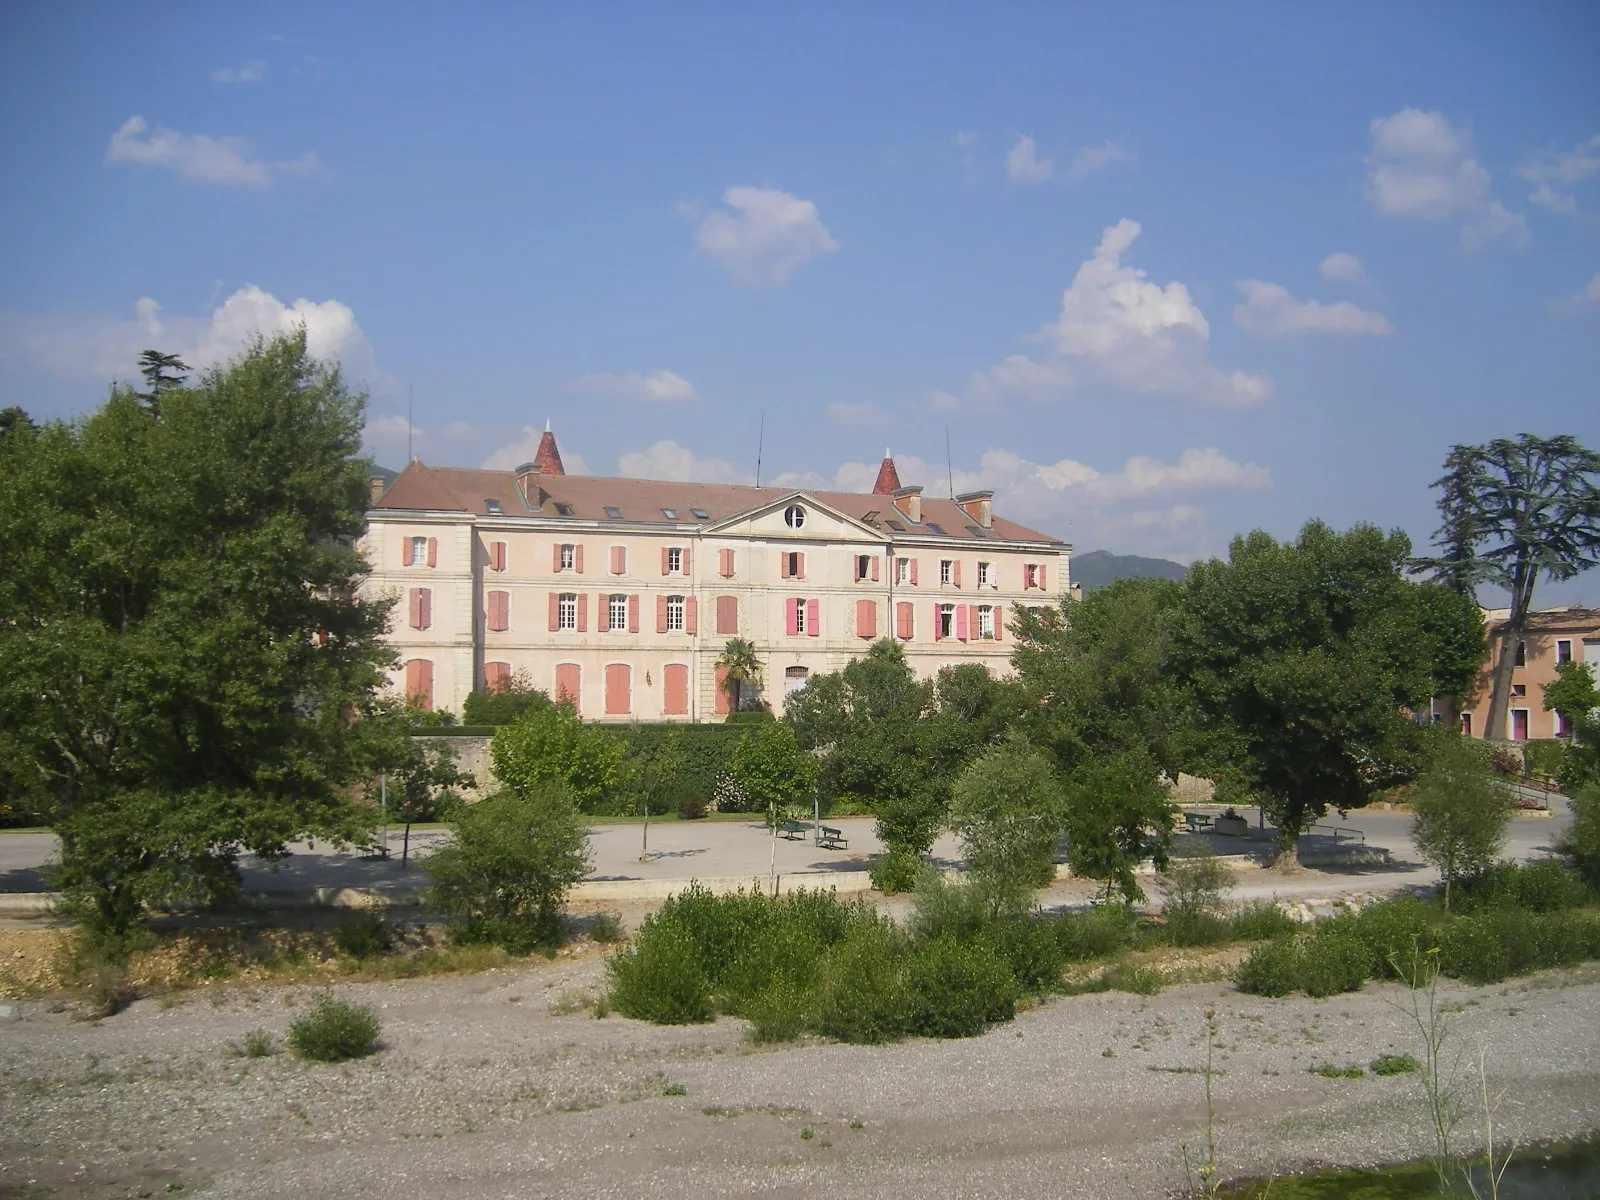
(896, 526)
(977, 531)
(492, 507)
(670, 514)
(700, 514)
(613, 512)
(563, 509)
(935, 527)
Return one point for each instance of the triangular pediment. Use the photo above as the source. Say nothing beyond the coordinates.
(772, 518)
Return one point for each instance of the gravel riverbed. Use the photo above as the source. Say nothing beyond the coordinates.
(506, 1084)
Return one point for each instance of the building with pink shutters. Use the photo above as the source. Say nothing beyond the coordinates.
(621, 594)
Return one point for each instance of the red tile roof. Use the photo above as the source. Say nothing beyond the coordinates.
(585, 498)
(888, 480)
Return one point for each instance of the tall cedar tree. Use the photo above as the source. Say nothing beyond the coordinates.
(185, 658)
(1510, 511)
(1303, 658)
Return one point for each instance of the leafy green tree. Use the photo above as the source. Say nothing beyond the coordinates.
(503, 705)
(741, 667)
(505, 872)
(1452, 625)
(186, 658)
(972, 711)
(552, 745)
(1460, 810)
(1008, 808)
(14, 418)
(1117, 816)
(162, 373)
(419, 777)
(1511, 511)
(1575, 696)
(1580, 844)
(771, 767)
(1302, 658)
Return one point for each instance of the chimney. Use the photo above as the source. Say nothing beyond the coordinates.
(376, 488)
(888, 478)
(979, 506)
(909, 501)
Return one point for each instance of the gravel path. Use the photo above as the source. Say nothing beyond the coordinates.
(503, 1085)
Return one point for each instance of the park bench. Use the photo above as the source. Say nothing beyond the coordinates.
(791, 830)
(1197, 821)
(830, 838)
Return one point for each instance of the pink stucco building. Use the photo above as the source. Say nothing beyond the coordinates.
(1554, 636)
(621, 593)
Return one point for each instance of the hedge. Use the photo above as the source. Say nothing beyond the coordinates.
(706, 749)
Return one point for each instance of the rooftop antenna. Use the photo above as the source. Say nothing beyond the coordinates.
(411, 404)
(948, 466)
(761, 437)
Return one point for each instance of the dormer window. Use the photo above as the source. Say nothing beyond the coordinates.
(794, 516)
(613, 512)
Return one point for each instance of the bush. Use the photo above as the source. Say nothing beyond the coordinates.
(1460, 810)
(1271, 969)
(948, 908)
(1194, 888)
(258, 1043)
(1472, 949)
(691, 806)
(503, 875)
(781, 1012)
(365, 937)
(660, 978)
(334, 1031)
(896, 871)
(1032, 950)
(1545, 886)
(1393, 932)
(1259, 921)
(863, 996)
(1580, 844)
(1095, 932)
(1322, 963)
(1395, 1064)
(959, 988)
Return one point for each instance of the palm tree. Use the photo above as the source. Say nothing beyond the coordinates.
(740, 665)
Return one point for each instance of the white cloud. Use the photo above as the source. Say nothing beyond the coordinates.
(229, 161)
(1092, 159)
(866, 417)
(1589, 296)
(655, 387)
(109, 349)
(1345, 267)
(1421, 168)
(1138, 507)
(253, 71)
(1023, 164)
(1270, 311)
(769, 236)
(1117, 331)
(524, 448)
(1553, 171)
(668, 460)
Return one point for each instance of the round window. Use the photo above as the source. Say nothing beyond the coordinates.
(794, 516)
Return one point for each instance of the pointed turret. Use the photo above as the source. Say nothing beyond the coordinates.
(547, 461)
(888, 478)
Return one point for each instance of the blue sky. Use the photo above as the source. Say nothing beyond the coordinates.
(1164, 273)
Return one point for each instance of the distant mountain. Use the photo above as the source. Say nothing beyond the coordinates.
(1100, 567)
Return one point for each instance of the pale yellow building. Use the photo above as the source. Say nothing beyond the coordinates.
(621, 593)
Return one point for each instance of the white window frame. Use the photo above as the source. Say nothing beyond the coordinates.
(674, 560)
(947, 621)
(567, 610)
(794, 516)
(986, 620)
(799, 616)
(984, 576)
(616, 602)
(946, 569)
(569, 556)
(675, 610)
(419, 551)
(902, 572)
(863, 567)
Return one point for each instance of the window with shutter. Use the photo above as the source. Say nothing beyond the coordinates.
(567, 611)
(419, 683)
(496, 676)
(675, 690)
(727, 616)
(813, 618)
(569, 684)
(619, 689)
(866, 619)
(674, 614)
(904, 620)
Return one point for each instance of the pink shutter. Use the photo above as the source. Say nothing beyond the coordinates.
(1042, 586)
(416, 608)
(427, 609)
(814, 618)
(555, 557)
(874, 568)
(577, 558)
(791, 617)
(690, 623)
(569, 682)
(496, 676)
(665, 555)
(433, 561)
(866, 618)
(685, 563)
(619, 562)
(555, 611)
(727, 615)
(938, 626)
(583, 612)
(800, 565)
(633, 614)
(675, 690)
(725, 563)
(661, 614)
(913, 572)
(419, 683)
(618, 689)
(955, 572)
(999, 620)
(961, 622)
(602, 612)
(783, 564)
(405, 551)
(499, 610)
(497, 556)
(722, 691)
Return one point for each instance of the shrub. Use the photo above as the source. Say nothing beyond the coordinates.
(365, 937)
(1260, 921)
(1194, 888)
(1472, 950)
(660, 977)
(691, 806)
(258, 1043)
(948, 908)
(1321, 963)
(1008, 808)
(1580, 844)
(958, 988)
(863, 996)
(1095, 932)
(1271, 970)
(503, 875)
(785, 956)
(782, 1011)
(896, 871)
(1395, 1064)
(334, 1031)
(1130, 977)
(1545, 886)
(1031, 949)
(1460, 810)
(605, 928)
(1391, 932)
